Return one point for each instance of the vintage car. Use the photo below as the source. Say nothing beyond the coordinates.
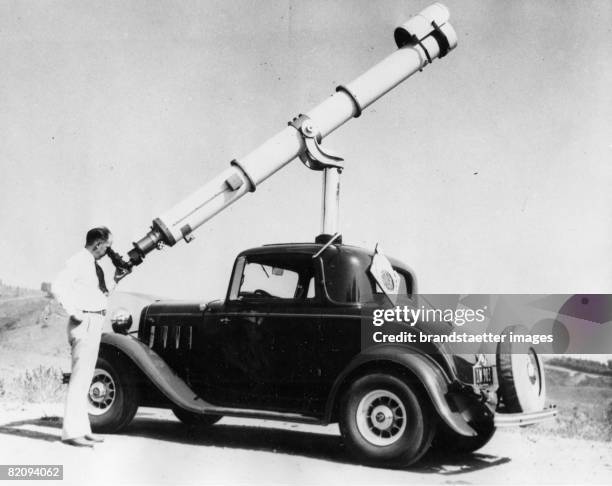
(285, 344)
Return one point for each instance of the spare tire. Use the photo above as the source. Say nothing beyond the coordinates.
(521, 374)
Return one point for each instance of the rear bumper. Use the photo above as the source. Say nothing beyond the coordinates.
(520, 419)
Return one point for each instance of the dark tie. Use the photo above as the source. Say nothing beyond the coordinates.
(101, 282)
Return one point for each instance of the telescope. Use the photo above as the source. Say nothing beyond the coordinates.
(420, 40)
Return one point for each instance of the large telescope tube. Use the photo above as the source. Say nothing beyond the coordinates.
(420, 40)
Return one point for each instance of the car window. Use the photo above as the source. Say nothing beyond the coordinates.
(261, 281)
(311, 289)
(237, 277)
(282, 276)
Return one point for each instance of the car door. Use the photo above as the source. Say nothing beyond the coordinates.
(229, 364)
(262, 344)
(292, 329)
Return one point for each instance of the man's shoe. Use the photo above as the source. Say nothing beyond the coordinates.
(78, 442)
(94, 438)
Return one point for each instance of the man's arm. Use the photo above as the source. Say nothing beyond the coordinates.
(111, 285)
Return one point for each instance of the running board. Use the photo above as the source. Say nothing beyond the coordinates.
(521, 419)
(261, 414)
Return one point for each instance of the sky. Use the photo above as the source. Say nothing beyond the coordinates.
(488, 172)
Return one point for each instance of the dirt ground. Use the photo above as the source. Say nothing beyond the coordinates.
(157, 449)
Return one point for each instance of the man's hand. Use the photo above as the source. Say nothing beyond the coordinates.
(120, 273)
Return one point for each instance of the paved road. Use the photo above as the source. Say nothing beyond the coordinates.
(157, 449)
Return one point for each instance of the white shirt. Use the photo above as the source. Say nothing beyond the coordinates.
(76, 286)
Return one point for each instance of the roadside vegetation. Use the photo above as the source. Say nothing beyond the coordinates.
(584, 365)
(584, 406)
(40, 385)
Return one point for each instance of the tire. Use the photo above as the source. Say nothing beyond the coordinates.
(522, 384)
(448, 440)
(113, 396)
(386, 421)
(196, 419)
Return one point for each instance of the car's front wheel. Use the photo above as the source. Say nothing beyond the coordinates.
(386, 421)
(112, 397)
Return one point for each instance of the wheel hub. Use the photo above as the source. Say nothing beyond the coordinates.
(381, 417)
(102, 392)
(531, 372)
(532, 369)
(97, 392)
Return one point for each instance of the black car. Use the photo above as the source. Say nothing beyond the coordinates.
(286, 344)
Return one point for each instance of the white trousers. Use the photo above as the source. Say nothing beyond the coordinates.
(84, 340)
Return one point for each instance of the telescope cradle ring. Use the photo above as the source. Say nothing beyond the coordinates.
(441, 39)
(346, 91)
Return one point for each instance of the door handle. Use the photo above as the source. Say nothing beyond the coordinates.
(224, 320)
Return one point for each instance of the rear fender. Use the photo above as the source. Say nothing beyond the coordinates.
(428, 372)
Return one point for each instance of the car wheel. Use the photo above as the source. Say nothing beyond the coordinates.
(521, 375)
(113, 396)
(450, 441)
(385, 421)
(196, 419)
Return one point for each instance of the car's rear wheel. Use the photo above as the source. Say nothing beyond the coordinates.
(196, 419)
(112, 397)
(386, 421)
(521, 375)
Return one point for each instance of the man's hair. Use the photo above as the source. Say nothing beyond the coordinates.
(94, 235)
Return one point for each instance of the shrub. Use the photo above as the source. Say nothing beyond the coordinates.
(42, 384)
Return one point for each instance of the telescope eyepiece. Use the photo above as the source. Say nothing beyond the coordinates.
(117, 259)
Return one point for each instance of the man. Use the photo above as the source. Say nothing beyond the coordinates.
(81, 290)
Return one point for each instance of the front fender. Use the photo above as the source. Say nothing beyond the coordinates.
(428, 372)
(157, 371)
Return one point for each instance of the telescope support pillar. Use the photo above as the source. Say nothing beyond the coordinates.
(330, 206)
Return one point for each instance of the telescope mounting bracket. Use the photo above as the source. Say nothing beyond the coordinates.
(314, 157)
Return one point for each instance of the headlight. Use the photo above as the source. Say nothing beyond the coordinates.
(121, 321)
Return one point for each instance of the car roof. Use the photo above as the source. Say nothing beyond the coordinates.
(306, 248)
(313, 248)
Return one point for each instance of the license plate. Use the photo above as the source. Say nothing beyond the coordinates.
(483, 375)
